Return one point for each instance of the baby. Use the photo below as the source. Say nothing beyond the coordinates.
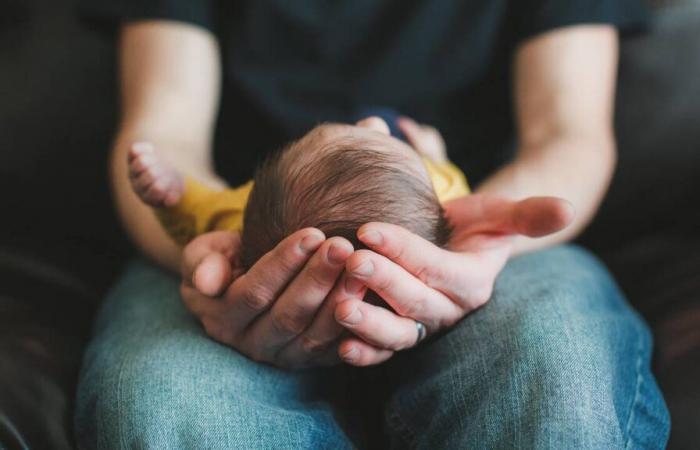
(336, 178)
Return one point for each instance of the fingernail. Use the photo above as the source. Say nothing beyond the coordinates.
(349, 355)
(372, 237)
(310, 243)
(364, 270)
(353, 285)
(337, 254)
(353, 318)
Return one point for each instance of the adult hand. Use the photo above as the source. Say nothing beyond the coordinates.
(426, 283)
(275, 312)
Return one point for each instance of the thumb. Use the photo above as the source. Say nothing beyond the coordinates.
(533, 217)
(213, 274)
(207, 261)
(540, 216)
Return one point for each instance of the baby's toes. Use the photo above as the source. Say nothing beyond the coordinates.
(141, 160)
(141, 173)
(157, 192)
(141, 170)
(160, 186)
(149, 184)
(152, 179)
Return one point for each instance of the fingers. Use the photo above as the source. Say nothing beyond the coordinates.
(420, 257)
(356, 352)
(377, 325)
(211, 279)
(464, 277)
(213, 274)
(324, 331)
(406, 294)
(296, 307)
(256, 290)
(206, 271)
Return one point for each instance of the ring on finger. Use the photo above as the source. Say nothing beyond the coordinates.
(422, 332)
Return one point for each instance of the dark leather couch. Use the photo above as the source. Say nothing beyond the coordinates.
(60, 244)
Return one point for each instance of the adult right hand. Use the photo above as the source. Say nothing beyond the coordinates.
(275, 312)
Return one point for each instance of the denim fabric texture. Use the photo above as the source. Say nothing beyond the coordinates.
(556, 359)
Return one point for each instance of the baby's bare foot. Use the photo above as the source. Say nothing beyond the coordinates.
(153, 180)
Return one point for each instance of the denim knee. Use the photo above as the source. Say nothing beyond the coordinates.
(556, 359)
(151, 378)
(141, 397)
(582, 353)
(175, 394)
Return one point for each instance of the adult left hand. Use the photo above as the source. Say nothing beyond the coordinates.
(433, 285)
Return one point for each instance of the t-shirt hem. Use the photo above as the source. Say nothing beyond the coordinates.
(626, 26)
(108, 17)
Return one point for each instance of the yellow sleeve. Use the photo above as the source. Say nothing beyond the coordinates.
(203, 209)
(448, 180)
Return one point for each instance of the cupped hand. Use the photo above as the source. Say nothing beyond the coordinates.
(281, 310)
(426, 283)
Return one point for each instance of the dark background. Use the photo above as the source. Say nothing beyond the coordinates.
(60, 243)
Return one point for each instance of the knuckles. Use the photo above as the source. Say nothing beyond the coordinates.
(394, 250)
(385, 284)
(475, 298)
(481, 296)
(360, 258)
(257, 297)
(414, 309)
(316, 274)
(287, 256)
(215, 329)
(313, 346)
(287, 324)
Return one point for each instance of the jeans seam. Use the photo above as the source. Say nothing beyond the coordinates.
(398, 424)
(637, 394)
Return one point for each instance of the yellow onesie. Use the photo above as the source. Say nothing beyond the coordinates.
(203, 209)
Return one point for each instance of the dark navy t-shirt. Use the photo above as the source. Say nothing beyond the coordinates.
(289, 65)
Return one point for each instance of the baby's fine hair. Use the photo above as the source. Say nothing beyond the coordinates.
(345, 186)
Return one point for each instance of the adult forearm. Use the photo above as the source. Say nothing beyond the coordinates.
(169, 74)
(577, 169)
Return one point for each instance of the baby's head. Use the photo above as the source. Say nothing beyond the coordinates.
(337, 178)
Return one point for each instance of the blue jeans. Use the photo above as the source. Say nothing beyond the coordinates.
(557, 359)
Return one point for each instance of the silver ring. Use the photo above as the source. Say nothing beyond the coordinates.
(422, 332)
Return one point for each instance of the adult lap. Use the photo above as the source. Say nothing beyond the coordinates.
(151, 377)
(556, 358)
